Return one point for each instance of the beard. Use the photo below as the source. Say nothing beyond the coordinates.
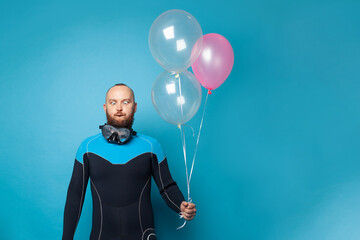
(127, 123)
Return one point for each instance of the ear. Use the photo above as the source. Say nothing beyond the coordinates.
(104, 106)
(135, 107)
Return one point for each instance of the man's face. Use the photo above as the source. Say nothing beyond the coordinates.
(120, 107)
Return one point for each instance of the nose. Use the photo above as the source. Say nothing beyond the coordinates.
(119, 107)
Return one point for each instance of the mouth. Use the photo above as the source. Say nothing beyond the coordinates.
(119, 115)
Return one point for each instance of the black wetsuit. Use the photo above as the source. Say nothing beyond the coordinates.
(120, 178)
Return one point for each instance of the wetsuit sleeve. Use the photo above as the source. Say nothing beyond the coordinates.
(75, 195)
(168, 188)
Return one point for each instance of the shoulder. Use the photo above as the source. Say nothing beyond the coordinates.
(82, 149)
(89, 139)
(155, 144)
(147, 138)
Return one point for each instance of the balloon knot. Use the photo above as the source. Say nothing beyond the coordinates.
(209, 92)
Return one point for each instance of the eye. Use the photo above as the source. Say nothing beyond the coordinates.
(126, 102)
(112, 103)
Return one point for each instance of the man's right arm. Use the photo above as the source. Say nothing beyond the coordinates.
(75, 195)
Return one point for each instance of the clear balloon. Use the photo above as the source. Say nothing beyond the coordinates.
(176, 96)
(215, 62)
(175, 40)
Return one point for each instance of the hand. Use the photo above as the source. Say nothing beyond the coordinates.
(188, 210)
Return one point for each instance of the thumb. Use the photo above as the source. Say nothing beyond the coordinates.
(185, 204)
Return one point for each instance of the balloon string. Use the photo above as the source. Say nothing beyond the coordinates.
(181, 225)
(181, 97)
(188, 178)
(183, 141)
(198, 137)
(192, 129)
(183, 138)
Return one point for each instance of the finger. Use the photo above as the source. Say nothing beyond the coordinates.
(185, 214)
(191, 205)
(191, 210)
(185, 204)
(188, 215)
(188, 218)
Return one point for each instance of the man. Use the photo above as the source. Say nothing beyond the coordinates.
(120, 163)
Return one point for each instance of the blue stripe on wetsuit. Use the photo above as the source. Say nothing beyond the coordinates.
(120, 154)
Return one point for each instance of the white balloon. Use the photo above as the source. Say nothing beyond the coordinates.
(176, 96)
(175, 40)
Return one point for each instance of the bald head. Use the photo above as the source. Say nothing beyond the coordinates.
(120, 85)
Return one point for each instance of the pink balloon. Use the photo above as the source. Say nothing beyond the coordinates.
(215, 62)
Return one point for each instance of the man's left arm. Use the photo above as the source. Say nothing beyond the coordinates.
(168, 188)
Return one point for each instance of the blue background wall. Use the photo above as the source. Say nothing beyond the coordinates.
(278, 156)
